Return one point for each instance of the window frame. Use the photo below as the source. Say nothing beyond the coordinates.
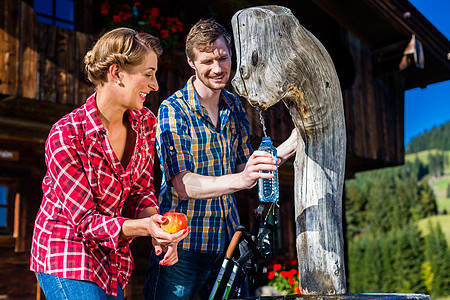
(12, 185)
(54, 19)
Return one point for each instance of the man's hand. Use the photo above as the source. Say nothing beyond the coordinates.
(288, 148)
(258, 161)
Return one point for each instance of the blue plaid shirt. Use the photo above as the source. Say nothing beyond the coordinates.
(187, 140)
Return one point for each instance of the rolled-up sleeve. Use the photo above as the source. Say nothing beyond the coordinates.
(174, 142)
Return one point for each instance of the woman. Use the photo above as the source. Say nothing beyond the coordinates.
(100, 157)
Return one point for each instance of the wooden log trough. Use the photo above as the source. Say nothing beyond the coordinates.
(351, 296)
(278, 59)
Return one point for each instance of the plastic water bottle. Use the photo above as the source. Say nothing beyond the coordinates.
(268, 190)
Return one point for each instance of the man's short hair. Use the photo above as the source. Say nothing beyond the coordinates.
(203, 34)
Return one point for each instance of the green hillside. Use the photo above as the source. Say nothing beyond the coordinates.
(437, 138)
(439, 184)
(443, 220)
(424, 156)
(398, 222)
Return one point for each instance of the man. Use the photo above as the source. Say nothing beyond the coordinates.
(203, 146)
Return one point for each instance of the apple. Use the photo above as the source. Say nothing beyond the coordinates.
(175, 222)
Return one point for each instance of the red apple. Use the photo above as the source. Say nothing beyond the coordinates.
(175, 222)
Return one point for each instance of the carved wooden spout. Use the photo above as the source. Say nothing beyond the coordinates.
(278, 59)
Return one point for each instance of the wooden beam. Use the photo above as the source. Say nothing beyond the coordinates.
(413, 55)
(16, 232)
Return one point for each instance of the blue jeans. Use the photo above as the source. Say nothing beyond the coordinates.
(193, 274)
(58, 288)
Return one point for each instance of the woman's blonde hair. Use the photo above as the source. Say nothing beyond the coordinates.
(122, 46)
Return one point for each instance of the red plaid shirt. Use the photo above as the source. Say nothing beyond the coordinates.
(77, 228)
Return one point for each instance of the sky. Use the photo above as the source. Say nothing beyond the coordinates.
(420, 117)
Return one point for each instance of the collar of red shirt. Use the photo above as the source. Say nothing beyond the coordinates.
(93, 124)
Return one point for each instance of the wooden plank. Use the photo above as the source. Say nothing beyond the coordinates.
(16, 280)
(357, 101)
(22, 238)
(47, 62)
(65, 65)
(370, 106)
(83, 88)
(9, 46)
(16, 216)
(28, 52)
(84, 22)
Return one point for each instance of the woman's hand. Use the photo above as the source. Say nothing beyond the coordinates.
(150, 226)
(162, 237)
(163, 241)
(171, 256)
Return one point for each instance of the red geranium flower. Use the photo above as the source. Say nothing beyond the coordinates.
(164, 33)
(271, 275)
(104, 8)
(277, 267)
(291, 280)
(154, 12)
(168, 29)
(124, 15)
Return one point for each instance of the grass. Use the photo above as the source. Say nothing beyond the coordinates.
(423, 156)
(439, 186)
(444, 221)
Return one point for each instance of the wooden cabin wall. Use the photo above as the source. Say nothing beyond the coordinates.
(42, 66)
(16, 280)
(41, 61)
(374, 113)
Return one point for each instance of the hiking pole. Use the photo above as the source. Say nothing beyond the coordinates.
(230, 250)
(237, 264)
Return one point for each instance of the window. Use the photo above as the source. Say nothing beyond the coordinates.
(8, 190)
(55, 12)
(3, 208)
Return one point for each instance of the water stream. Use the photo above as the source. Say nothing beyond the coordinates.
(262, 122)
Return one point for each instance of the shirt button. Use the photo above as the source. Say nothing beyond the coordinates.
(171, 148)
